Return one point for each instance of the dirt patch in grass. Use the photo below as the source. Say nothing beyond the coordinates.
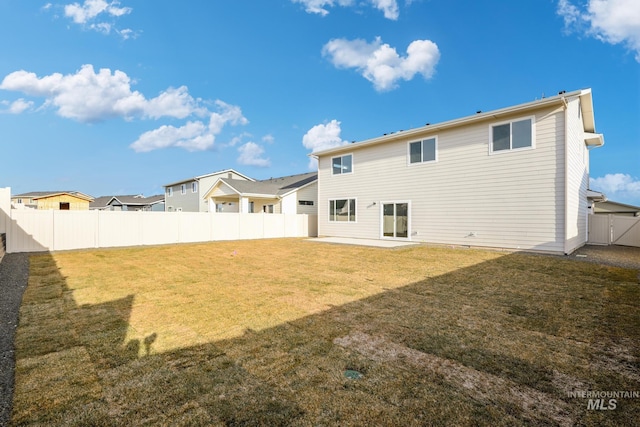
(264, 332)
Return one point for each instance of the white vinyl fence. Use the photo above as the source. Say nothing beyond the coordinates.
(52, 230)
(614, 230)
(5, 206)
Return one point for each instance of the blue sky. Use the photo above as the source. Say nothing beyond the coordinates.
(121, 97)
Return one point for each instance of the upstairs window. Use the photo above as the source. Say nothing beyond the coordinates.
(514, 135)
(183, 189)
(341, 165)
(422, 151)
(169, 191)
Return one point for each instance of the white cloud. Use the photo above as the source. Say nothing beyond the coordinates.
(618, 186)
(251, 154)
(87, 96)
(322, 137)
(98, 15)
(388, 7)
(16, 107)
(380, 63)
(228, 114)
(193, 136)
(269, 139)
(91, 9)
(611, 21)
(321, 7)
(127, 33)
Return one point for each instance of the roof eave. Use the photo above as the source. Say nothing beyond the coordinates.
(596, 196)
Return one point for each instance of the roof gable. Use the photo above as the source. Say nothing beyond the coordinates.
(199, 177)
(272, 187)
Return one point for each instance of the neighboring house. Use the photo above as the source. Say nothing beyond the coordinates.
(188, 195)
(611, 207)
(52, 200)
(513, 178)
(129, 203)
(295, 194)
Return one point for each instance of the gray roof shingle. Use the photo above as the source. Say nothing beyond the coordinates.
(272, 187)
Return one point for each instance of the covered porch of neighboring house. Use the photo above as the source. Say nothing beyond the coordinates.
(229, 197)
(243, 204)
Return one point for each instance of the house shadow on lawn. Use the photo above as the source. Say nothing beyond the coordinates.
(498, 343)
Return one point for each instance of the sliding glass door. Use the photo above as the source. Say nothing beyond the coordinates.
(395, 220)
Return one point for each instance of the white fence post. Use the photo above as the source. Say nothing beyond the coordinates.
(5, 208)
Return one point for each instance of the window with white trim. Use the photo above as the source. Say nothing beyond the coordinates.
(194, 187)
(342, 210)
(423, 151)
(183, 189)
(342, 164)
(513, 135)
(169, 191)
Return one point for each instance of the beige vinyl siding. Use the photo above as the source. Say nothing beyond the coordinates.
(507, 199)
(310, 192)
(224, 190)
(259, 204)
(289, 203)
(577, 180)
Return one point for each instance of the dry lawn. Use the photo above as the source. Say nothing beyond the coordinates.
(292, 332)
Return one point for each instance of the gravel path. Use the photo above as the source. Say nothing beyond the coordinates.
(14, 273)
(619, 256)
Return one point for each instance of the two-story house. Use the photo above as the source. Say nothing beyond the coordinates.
(188, 195)
(513, 178)
(229, 191)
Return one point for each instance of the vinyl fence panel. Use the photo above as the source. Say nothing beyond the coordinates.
(30, 231)
(49, 230)
(626, 230)
(226, 226)
(78, 229)
(194, 226)
(599, 230)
